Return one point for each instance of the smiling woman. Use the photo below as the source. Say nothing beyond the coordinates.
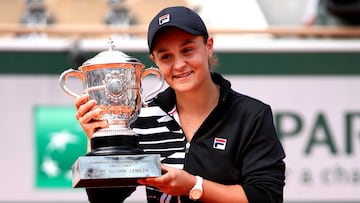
(198, 122)
(175, 51)
(298, 77)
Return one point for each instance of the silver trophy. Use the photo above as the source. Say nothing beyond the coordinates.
(113, 79)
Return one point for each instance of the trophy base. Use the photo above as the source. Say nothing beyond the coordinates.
(114, 161)
(115, 145)
(114, 170)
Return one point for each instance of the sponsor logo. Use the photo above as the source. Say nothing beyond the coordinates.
(219, 143)
(59, 141)
(164, 19)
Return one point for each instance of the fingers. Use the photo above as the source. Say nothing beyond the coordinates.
(83, 105)
(173, 181)
(82, 99)
(91, 127)
(155, 182)
(88, 114)
(161, 180)
(164, 168)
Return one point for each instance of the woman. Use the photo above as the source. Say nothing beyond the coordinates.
(216, 145)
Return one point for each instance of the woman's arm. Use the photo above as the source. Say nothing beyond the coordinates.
(179, 182)
(87, 113)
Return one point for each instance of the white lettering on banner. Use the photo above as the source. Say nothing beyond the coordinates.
(317, 118)
(321, 135)
(318, 122)
(325, 160)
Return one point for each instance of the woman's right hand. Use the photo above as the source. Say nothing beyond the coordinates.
(87, 113)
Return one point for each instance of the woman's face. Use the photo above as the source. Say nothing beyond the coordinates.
(182, 59)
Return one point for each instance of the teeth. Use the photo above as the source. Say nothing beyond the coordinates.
(182, 75)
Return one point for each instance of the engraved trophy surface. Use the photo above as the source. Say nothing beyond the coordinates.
(113, 79)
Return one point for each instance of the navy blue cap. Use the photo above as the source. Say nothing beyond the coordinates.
(179, 17)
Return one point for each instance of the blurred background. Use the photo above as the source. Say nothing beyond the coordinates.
(299, 56)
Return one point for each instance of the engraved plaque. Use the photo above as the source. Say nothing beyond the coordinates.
(116, 170)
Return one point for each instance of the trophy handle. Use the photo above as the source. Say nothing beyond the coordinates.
(156, 72)
(65, 75)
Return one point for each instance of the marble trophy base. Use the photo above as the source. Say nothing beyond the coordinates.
(115, 161)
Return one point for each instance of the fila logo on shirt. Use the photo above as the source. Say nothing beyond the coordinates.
(219, 143)
(164, 19)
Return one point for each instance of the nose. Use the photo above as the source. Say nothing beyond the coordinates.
(179, 63)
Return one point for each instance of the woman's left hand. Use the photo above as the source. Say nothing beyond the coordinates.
(173, 181)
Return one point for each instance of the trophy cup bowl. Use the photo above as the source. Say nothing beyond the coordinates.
(113, 79)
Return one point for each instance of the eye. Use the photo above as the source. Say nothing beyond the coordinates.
(187, 50)
(165, 57)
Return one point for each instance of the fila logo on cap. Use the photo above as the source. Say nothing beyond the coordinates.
(164, 19)
(219, 143)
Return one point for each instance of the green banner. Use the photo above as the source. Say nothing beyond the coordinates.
(231, 63)
(59, 140)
